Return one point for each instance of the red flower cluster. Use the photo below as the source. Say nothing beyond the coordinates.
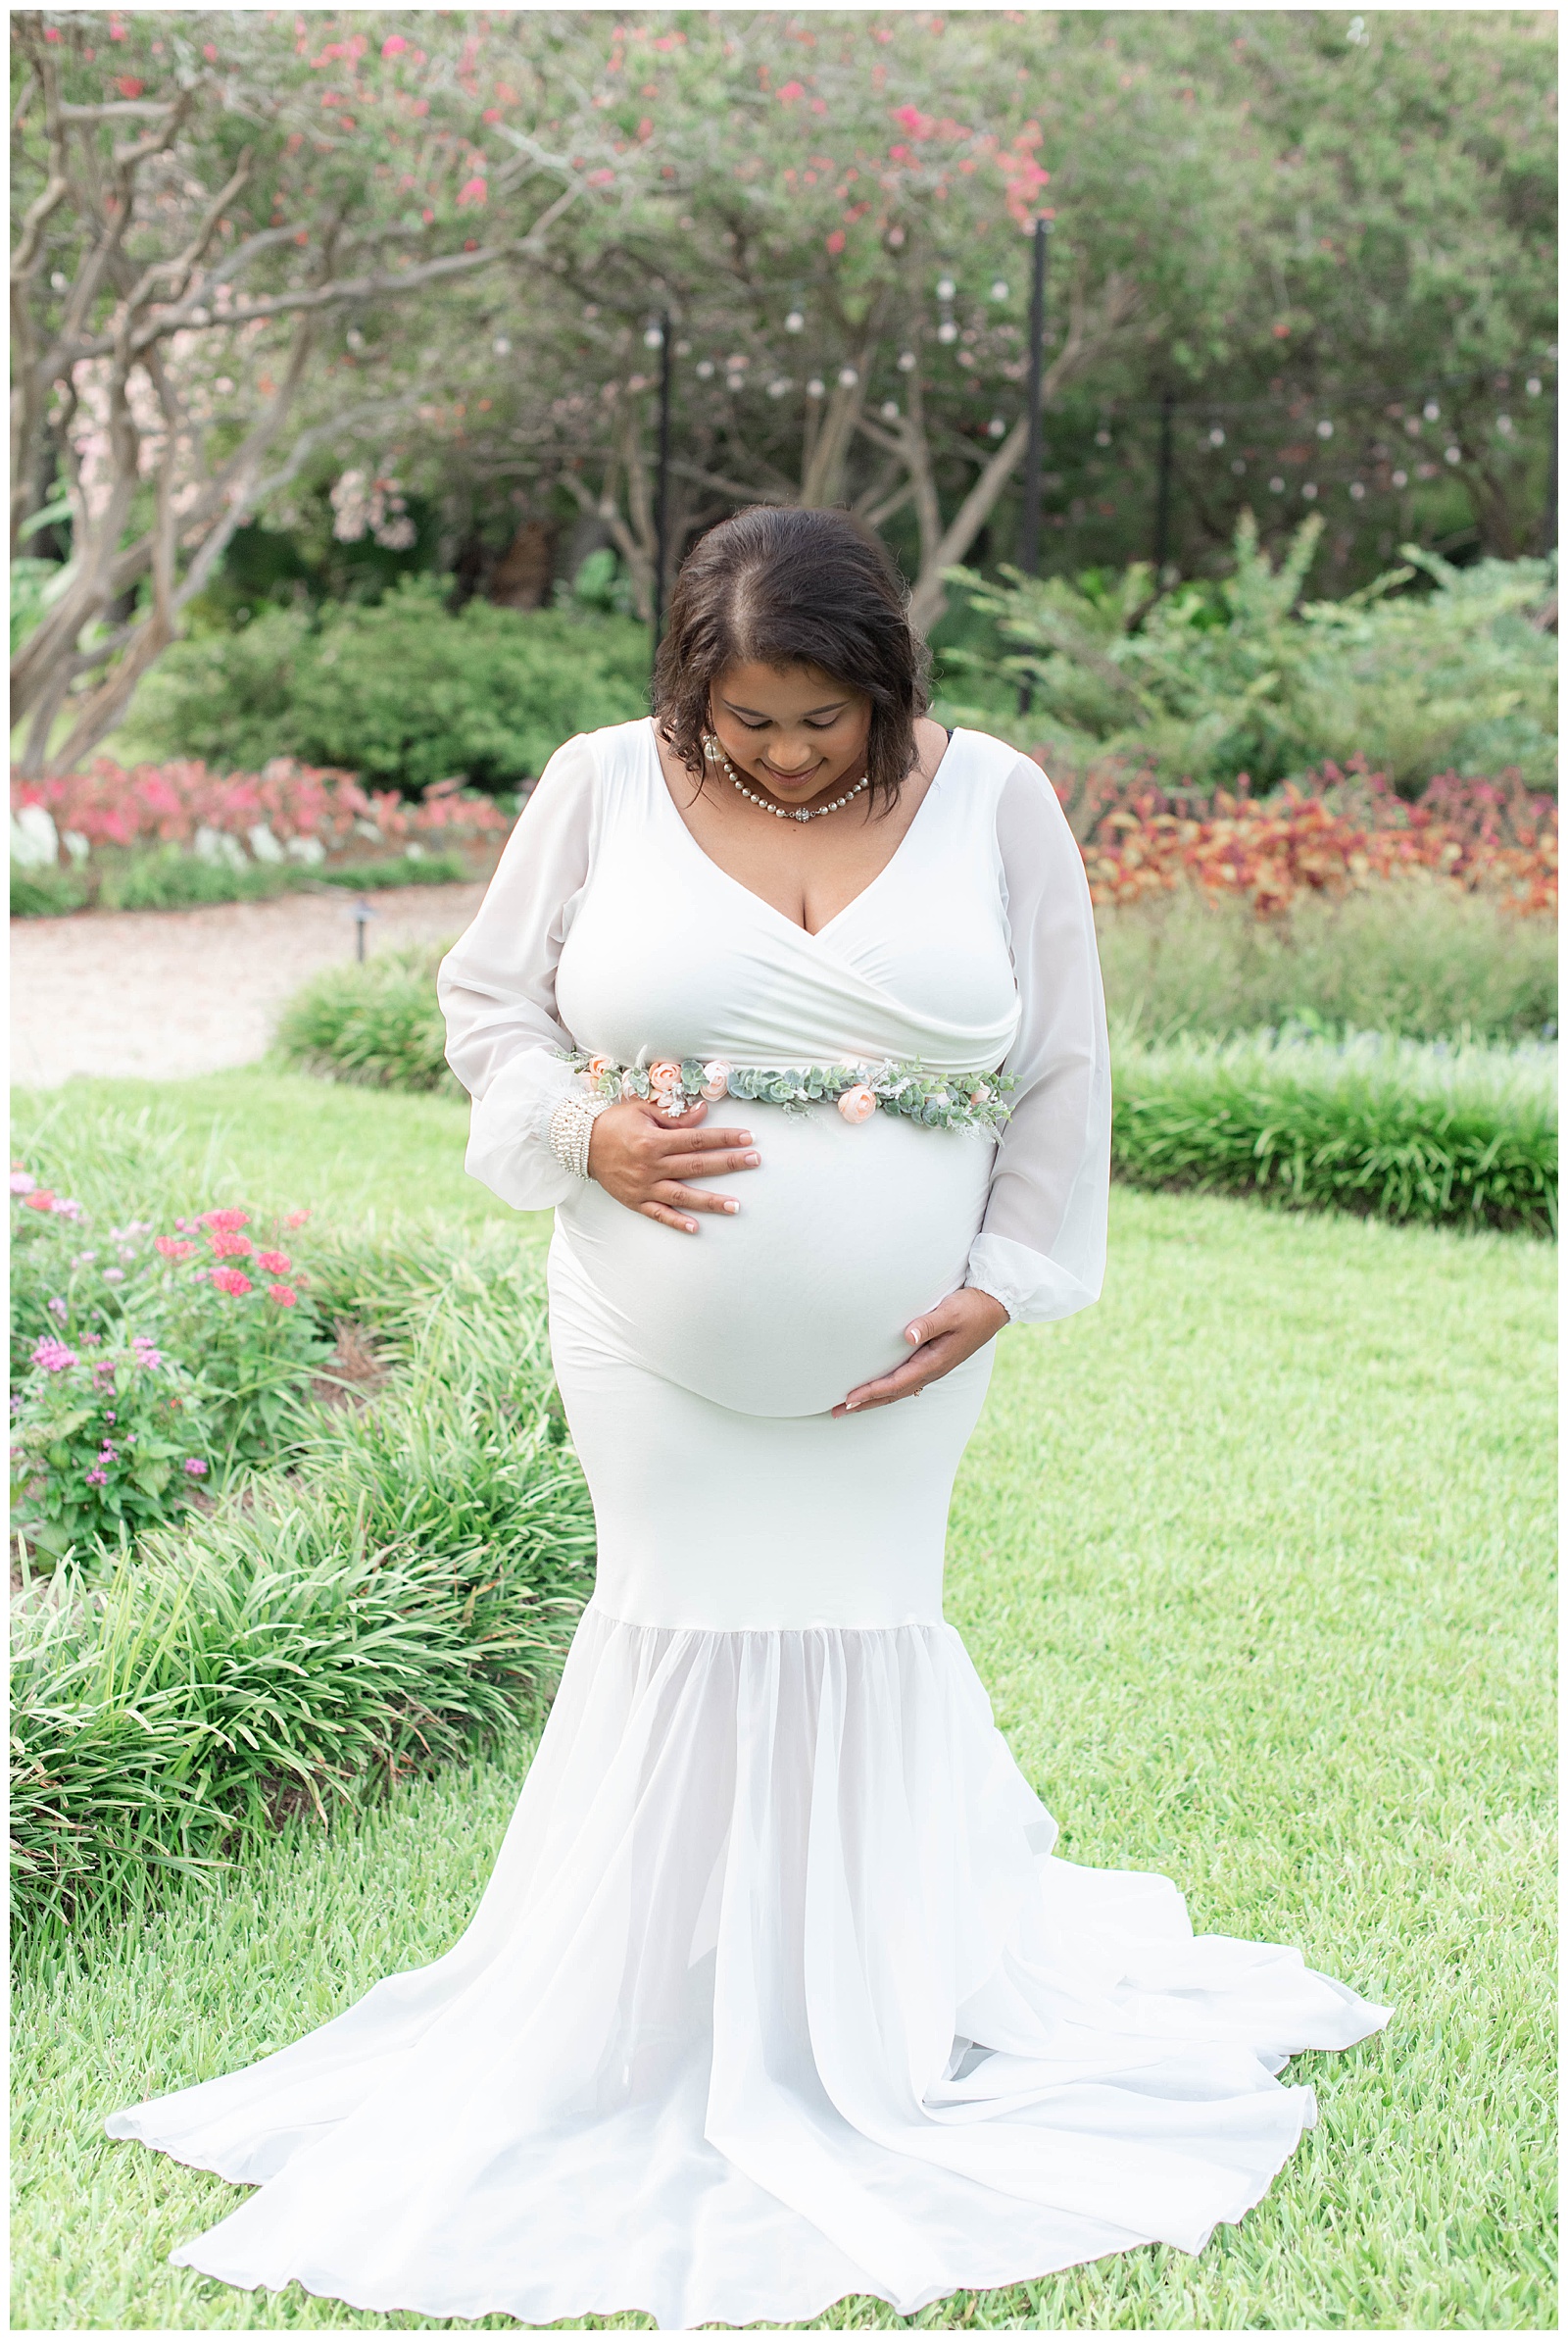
(168, 803)
(1333, 831)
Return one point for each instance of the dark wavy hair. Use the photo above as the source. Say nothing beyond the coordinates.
(786, 588)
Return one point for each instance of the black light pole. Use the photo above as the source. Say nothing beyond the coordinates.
(662, 499)
(1167, 408)
(1029, 534)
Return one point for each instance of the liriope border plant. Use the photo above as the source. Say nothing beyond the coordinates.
(403, 1597)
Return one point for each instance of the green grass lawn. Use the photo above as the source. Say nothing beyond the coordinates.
(280, 1141)
(1255, 1559)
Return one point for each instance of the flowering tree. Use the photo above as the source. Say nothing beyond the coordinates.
(847, 271)
(202, 198)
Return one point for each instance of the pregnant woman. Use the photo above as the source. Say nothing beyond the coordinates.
(788, 1002)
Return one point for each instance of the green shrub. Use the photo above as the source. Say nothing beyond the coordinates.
(1212, 681)
(1464, 1136)
(46, 893)
(1412, 956)
(171, 878)
(406, 868)
(377, 1024)
(298, 1648)
(400, 691)
(215, 1303)
(111, 1437)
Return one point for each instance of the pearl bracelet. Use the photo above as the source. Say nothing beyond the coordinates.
(571, 1129)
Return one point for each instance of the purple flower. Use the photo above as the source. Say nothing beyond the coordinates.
(68, 1208)
(53, 1355)
(108, 1418)
(146, 1351)
(22, 1182)
(97, 1478)
(109, 1452)
(59, 1308)
(196, 1467)
(113, 1276)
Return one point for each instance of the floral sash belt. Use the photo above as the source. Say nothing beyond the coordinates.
(938, 1100)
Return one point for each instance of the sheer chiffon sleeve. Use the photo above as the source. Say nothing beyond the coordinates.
(1041, 1250)
(497, 987)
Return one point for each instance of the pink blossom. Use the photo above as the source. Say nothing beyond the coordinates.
(296, 1218)
(223, 1221)
(53, 1355)
(172, 1248)
(229, 1245)
(40, 1198)
(97, 1478)
(230, 1280)
(790, 92)
(835, 242)
(22, 1182)
(472, 190)
(196, 1467)
(858, 1104)
(393, 45)
(283, 1295)
(277, 1262)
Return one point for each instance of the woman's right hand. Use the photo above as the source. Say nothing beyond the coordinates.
(642, 1156)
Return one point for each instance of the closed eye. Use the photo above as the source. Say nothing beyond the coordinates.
(764, 725)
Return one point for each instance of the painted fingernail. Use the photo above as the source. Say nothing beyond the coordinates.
(732, 1208)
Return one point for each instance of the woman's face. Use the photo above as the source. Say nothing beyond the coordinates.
(795, 730)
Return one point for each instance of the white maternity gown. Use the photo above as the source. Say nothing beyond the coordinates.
(777, 1992)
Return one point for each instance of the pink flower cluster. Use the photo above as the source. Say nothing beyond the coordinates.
(226, 1242)
(168, 803)
(42, 1198)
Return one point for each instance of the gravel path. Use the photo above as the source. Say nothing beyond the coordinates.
(162, 993)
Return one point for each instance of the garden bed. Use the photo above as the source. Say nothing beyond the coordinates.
(279, 1604)
(176, 836)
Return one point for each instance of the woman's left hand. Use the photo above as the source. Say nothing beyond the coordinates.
(941, 1339)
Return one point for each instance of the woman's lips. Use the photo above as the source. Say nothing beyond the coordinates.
(790, 779)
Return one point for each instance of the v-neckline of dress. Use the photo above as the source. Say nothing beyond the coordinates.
(804, 932)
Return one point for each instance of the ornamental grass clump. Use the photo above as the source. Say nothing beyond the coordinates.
(1412, 956)
(1463, 1136)
(404, 1600)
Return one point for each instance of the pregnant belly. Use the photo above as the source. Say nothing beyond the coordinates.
(842, 1236)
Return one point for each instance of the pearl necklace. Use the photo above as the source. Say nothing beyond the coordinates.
(715, 755)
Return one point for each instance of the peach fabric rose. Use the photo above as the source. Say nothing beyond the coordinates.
(715, 1079)
(663, 1074)
(858, 1104)
(599, 1065)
